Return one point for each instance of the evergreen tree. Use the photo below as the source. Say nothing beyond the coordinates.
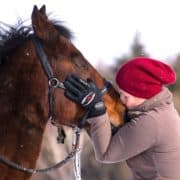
(137, 49)
(176, 65)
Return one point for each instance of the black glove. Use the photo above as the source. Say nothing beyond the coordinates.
(85, 93)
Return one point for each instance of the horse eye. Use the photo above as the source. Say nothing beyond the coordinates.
(78, 63)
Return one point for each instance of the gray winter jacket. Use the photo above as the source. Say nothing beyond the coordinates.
(149, 143)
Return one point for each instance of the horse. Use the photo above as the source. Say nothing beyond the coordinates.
(25, 88)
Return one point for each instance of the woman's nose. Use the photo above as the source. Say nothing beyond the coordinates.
(122, 99)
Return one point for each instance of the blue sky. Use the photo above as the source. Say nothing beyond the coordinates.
(104, 29)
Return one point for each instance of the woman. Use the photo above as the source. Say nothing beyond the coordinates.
(150, 141)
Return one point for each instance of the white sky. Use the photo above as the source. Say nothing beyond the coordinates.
(104, 29)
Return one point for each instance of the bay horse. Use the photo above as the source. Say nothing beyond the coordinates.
(24, 88)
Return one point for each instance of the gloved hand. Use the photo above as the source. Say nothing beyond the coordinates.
(85, 93)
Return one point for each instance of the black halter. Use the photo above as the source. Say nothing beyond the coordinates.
(53, 84)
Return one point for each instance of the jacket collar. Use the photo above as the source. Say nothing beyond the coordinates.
(160, 100)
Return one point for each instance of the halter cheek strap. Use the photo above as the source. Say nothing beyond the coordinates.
(53, 82)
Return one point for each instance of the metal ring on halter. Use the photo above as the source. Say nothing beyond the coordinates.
(55, 83)
(107, 86)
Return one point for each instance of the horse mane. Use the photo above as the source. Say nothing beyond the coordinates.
(14, 36)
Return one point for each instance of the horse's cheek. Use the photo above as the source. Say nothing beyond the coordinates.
(67, 111)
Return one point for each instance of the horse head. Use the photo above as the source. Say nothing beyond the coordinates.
(66, 59)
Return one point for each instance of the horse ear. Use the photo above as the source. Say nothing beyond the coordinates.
(35, 8)
(43, 10)
(42, 27)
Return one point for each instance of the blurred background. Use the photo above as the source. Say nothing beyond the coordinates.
(108, 33)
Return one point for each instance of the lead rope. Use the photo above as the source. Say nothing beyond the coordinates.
(77, 157)
(72, 155)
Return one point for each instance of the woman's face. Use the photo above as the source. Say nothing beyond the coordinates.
(129, 100)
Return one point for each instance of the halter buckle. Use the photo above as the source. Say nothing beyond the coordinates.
(55, 83)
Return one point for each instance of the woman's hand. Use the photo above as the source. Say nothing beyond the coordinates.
(85, 93)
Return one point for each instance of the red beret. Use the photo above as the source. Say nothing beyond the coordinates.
(144, 77)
